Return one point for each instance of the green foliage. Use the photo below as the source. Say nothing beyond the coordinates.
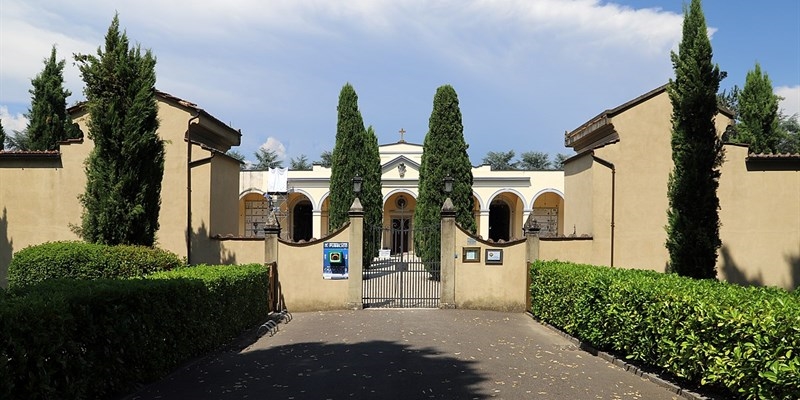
(20, 141)
(124, 170)
(325, 159)
(352, 155)
(500, 160)
(2, 136)
(58, 338)
(300, 163)
(445, 154)
(790, 141)
(267, 159)
(697, 153)
(238, 156)
(85, 261)
(758, 112)
(48, 122)
(745, 340)
(535, 161)
(371, 195)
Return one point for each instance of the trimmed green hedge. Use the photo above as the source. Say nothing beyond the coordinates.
(80, 260)
(95, 339)
(743, 339)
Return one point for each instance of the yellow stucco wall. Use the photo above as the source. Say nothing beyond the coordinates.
(760, 215)
(39, 197)
(490, 287)
(300, 275)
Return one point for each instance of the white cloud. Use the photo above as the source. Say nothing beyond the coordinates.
(12, 122)
(276, 146)
(790, 105)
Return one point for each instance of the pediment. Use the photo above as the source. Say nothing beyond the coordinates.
(400, 167)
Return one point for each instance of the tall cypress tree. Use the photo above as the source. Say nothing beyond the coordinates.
(2, 136)
(125, 169)
(445, 153)
(758, 113)
(348, 153)
(355, 153)
(693, 214)
(48, 122)
(371, 195)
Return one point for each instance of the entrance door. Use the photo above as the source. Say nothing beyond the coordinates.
(301, 221)
(400, 229)
(499, 221)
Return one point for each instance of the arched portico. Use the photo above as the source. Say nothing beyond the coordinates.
(398, 217)
(548, 212)
(505, 216)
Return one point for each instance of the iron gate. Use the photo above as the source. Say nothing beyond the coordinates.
(395, 276)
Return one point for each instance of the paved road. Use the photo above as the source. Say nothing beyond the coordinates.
(406, 354)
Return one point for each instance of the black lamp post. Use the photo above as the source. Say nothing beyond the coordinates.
(357, 180)
(448, 184)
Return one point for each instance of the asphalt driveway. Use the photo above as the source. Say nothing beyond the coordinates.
(406, 354)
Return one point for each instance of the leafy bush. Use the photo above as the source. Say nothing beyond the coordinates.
(96, 339)
(711, 333)
(80, 260)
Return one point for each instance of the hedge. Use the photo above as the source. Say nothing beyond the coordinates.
(97, 339)
(744, 340)
(80, 260)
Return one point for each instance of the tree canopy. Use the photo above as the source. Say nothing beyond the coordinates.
(697, 153)
(48, 121)
(324, 159)
(267, 159)
(125, 169)
(300, 163)
(758, 113)
(445, 155)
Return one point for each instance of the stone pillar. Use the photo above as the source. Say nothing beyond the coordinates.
(355, 299)
(484, 224)
(316, 224)
(272, 230)
(531, 229)
(447, 277)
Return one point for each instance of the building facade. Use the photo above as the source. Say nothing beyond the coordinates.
(502, 199)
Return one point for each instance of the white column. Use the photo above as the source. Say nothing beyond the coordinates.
(316, 224)
(484, 223)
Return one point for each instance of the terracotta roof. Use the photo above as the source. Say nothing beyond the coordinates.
(766, 156)
(175, 99)
(29, 153)
(601, 120)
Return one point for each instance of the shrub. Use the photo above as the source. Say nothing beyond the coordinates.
(96, 339)
(80, 260)
(745, 340)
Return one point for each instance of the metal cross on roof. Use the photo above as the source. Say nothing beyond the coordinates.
(402, 132)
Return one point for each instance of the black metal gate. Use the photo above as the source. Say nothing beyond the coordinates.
(396, 277)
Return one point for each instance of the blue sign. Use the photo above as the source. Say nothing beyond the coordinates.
(334, 260)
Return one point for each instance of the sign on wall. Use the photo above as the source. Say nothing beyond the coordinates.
(334, 260)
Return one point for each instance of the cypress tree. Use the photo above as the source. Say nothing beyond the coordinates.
(2, 136)
(348, 155)
(125, 169)
(371, 195)
(693, 216)
(758, 113)
(445, 153)
(48, 122)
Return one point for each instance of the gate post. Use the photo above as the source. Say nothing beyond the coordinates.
(272, 230)
(447, 258)
(355, 300)
(531, 229)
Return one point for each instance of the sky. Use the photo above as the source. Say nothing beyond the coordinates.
(526, 71)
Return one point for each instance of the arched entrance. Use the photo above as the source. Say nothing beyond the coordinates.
(548, 213)
(398, 216)
(499, 220)
(302, 224)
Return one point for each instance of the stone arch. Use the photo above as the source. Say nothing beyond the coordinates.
(506, 212)
(548, 212)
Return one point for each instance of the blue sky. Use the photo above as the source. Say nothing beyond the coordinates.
(525, 71)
